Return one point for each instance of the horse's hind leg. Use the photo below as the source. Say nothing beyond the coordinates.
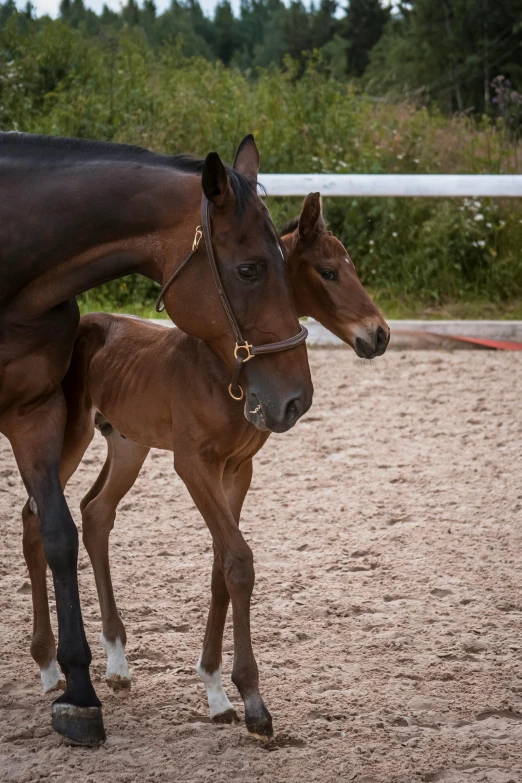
(121, 469)
(36, 435)
(78, 435)
(236, 484)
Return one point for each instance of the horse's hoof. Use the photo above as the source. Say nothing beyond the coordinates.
(59, 685)
(79, 725)
(120, 686)
(229, 716)
(52, 678)
(261, 731)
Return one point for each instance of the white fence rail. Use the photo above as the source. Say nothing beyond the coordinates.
(425, 185)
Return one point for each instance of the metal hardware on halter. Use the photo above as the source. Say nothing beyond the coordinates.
(241, 394)
(160, 305)
(197, 239)
(204, 230)
(246, 347)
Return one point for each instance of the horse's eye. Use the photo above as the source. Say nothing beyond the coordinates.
(247, 271)
(329, 274)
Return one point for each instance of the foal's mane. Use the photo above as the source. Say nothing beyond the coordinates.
(57, 152)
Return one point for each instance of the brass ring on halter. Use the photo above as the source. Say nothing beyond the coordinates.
(245, 347)
(233, 395)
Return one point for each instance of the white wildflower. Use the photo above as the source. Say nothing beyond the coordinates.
(479, 217)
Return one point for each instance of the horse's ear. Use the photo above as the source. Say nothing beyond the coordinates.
(247, 158)
(311, 218)
(214, 180)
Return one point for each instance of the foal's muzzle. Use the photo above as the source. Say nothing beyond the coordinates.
(374, 345)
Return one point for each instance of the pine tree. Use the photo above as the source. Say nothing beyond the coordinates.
(361, 28)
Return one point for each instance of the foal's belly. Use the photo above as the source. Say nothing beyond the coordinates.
(134, 400)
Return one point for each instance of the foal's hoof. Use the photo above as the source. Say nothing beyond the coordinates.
(119, 685)
(79, 725)
(229, 716)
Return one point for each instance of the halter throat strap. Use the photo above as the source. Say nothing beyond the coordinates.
(244, 351)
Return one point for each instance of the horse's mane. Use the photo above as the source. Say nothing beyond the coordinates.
(57, 151)
(290, 226)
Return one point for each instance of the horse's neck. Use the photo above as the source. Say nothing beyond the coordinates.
(88, 224)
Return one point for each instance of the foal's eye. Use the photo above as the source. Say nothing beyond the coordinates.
(247, 271)
(329, 274)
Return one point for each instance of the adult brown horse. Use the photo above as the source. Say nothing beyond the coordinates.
(74, 214)
(160, 388)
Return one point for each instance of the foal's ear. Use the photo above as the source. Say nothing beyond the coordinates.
(214, 180)
(311, 218)
(247, 158)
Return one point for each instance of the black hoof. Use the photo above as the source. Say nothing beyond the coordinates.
(229, 716)
(262, 731)
(79, 725)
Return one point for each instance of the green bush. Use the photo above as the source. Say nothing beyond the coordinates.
(54, 79)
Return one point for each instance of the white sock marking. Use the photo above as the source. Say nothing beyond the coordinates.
(117, 666)
(51, 677)
(217, 698)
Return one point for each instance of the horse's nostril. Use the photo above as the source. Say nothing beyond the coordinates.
(293, 409)
(381, 337)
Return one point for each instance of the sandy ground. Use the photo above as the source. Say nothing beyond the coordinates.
(388, 604)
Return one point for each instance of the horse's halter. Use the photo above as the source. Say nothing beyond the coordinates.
(250, 351)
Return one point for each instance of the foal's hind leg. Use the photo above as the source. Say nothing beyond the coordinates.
(43, 646)
(121, 469)
(236, 484)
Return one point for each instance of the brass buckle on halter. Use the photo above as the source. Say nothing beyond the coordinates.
(245, 347)
(197, 239)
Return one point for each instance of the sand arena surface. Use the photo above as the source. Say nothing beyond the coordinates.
(388, 603)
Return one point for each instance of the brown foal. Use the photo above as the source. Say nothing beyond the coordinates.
(146, 387)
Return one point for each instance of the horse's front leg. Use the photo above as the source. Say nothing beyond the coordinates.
(36, 435)
(232, 578)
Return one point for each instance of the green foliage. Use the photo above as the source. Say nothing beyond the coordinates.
(449, 52)
(57, 78)
(362, 28)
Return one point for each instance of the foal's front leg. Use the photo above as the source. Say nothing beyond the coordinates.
(235, 561)
(236, 483)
